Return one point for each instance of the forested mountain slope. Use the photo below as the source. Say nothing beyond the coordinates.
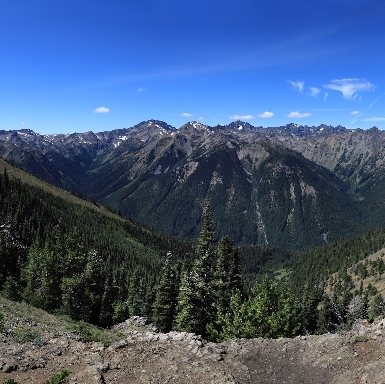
(290, 186)
(72, 256)
(65, 254)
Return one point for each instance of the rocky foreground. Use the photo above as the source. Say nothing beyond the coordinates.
(143, 355)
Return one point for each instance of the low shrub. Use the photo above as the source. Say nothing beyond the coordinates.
(59, 378)
(23, 335)
(361, 338)
(10, 381)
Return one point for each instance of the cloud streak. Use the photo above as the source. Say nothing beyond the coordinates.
(186, 114)
(356, 114)
(102, 110)
(241, 117)
(266, 115)
(314, 91)
(350, 87)
(298, 115)
(374, 119)
(297, 85)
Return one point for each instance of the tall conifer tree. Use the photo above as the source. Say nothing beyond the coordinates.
(196, 301)
(165, 297)
(227, 283)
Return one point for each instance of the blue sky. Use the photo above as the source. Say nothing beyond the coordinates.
(69, 66)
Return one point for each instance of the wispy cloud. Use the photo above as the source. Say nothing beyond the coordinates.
(201, 118)
(314, 91)
(374, 119)
(142, 89)
(326, 96)
(350, 87)
(242, 117)
(374, 102)
(298, 115)
(356, 114)
(266, 115)
(297, 85)
(102, 110)
(186, 114)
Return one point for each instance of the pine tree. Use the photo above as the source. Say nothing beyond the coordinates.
(230, 324)
(271, 313)
(166, 296)
(227, 282)
(228, 275)
(32, 276)
(308, 310)
(196, 300)
(135, 294)
(106, 310)
(11, 289)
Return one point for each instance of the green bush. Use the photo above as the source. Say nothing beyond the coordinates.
(90, 333)
(59, 378)
(87, 332)
(23, 335)
(361, 339)
(10, 381)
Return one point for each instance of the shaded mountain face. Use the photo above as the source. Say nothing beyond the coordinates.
(293, 186)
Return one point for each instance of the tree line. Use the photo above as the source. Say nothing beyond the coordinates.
(71, 260)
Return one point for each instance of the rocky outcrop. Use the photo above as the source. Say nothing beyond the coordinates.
(143, 355)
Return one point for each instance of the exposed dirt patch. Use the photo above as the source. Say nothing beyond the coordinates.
(142, 355)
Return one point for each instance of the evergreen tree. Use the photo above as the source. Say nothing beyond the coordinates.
(190, 314)
(308, 311)
(230, 324)
(228, 275)
(227, 282)
(32, 278)
(196, 300)
(166, 296)
(106, 310)
(11, 289)
(135, 294)
(271, 313)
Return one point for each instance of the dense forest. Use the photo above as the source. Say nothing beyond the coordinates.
(77, 259)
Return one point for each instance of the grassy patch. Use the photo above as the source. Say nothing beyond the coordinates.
(89, 333)
(25, 323)
(25, 335)
(282, 275)
(361, 339)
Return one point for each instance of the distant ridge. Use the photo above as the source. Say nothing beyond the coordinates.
(291, 186)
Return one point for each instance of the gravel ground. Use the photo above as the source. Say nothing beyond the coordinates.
(142, 355)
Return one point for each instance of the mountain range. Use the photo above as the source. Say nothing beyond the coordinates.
(294, 186)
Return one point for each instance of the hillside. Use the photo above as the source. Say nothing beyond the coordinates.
(68, 255)
(58, 251)
(290, 186)
(77, 259)
(36, 345)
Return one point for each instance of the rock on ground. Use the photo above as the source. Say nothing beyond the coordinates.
(144, 355)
